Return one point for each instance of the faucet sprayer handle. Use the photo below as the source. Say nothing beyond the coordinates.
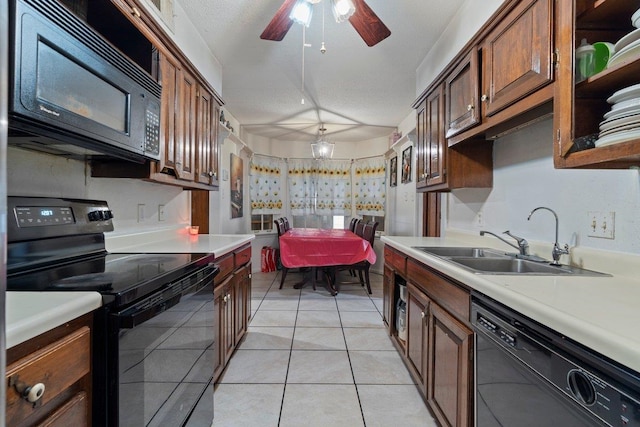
(523, 245)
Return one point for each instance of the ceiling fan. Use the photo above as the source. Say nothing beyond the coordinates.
(364, 20)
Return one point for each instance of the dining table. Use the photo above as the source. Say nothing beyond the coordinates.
(317, 248)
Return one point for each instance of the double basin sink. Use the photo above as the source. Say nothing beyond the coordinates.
(492, 261)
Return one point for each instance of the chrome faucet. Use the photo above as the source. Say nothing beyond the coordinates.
(522, 246)
(557, 250)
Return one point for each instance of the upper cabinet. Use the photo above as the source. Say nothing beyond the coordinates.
(580, 108)
(189, 115)
(501, 80)
(462, 91)
(517, 55)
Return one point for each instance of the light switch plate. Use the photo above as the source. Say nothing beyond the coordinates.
(601, 224)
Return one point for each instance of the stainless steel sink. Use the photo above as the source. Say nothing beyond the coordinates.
(460, 251)
(491, 261)
(518, 266)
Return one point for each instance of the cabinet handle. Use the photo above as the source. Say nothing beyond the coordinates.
(226, 298)
(135, 12)
(484, 97)
(211, 173)
(422, 314)
(469, 107)
(30, 393)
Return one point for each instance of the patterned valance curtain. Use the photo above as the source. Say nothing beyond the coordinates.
(302, 179)
(334, 187)
(265, 174)
(370, 186)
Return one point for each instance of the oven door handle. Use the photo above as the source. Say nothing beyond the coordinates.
(131, 318)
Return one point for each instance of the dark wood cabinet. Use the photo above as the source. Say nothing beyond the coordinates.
(439, 347)
(67, 395)
(579, 108)
(463, 95)
(517, 55)
(444, 168)
(189, 117)
(418, 335)
(388, 284)
(450, 381)
(231, 305)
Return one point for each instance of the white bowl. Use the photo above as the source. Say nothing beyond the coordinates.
(635, 19)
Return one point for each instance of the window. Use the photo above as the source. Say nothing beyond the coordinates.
(262, 222)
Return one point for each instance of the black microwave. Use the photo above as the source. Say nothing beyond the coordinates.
(72, 93)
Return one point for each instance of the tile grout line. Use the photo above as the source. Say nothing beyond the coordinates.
(286, 376)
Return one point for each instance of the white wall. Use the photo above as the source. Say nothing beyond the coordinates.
(524, 178)
(33, 174)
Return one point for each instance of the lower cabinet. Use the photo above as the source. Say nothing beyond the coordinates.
(231, 306)
(48, 378)
(439, 345)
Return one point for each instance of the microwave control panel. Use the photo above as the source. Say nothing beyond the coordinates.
(152, 130)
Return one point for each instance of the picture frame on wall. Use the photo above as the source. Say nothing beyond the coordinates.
(237, 194)
(393, 174)
(406, 165)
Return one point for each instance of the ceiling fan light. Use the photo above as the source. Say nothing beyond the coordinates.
(342, 9)
(301, 13)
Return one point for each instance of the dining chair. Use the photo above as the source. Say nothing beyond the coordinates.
(359, 231)
(362, 267)
(286, 223)
(353, 223)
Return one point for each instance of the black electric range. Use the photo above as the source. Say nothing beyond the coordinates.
(58, 245)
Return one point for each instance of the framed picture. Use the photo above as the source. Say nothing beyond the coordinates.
(237, 194)
(393, 174)
(406, 165)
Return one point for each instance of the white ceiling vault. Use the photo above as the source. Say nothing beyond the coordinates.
(357, 92)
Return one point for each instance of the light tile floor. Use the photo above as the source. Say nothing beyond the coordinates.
(310, 359)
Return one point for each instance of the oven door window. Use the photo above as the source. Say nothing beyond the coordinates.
(510, 394)
(79, 90)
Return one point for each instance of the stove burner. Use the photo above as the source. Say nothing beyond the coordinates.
(85, 282)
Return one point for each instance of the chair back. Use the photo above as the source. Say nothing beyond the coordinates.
(352, 224)
(286, 223)
(369, 233)
(359, 229)
(279, 226)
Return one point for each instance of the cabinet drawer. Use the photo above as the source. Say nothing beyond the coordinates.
(395, 259)
(73, 413)
(226, 267)
(243, 256)
(448, 294)
(58, 366)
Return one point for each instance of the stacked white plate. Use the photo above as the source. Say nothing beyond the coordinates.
(626, 49)
(622, 123)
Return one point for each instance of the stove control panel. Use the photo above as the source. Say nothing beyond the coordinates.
(39, 216)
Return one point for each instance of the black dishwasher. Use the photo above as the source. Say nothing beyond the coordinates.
(529, 375)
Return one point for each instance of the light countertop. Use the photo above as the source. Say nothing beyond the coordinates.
(599, 312)
(30, 314)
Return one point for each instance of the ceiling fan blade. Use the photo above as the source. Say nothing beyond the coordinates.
(368, 25)
(280, 23)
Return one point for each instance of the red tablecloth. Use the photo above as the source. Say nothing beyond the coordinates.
(313, 247)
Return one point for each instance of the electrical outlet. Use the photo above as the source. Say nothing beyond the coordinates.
(601, 224)
(160, 212)
(140, 213)
(480, 219)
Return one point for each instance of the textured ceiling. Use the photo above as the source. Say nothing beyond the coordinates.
(358, 92)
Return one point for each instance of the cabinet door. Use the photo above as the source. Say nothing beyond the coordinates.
(462, 90)
(417, 334)
(517, 54)
(185, 133)
(421, 151)
(240, 297)
(169, 70)
(436, 144)
(388, 284)
(219, 328)
(207, 143)
(450, 375)
(75, 413)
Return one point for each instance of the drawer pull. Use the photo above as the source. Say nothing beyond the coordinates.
(30, 393)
